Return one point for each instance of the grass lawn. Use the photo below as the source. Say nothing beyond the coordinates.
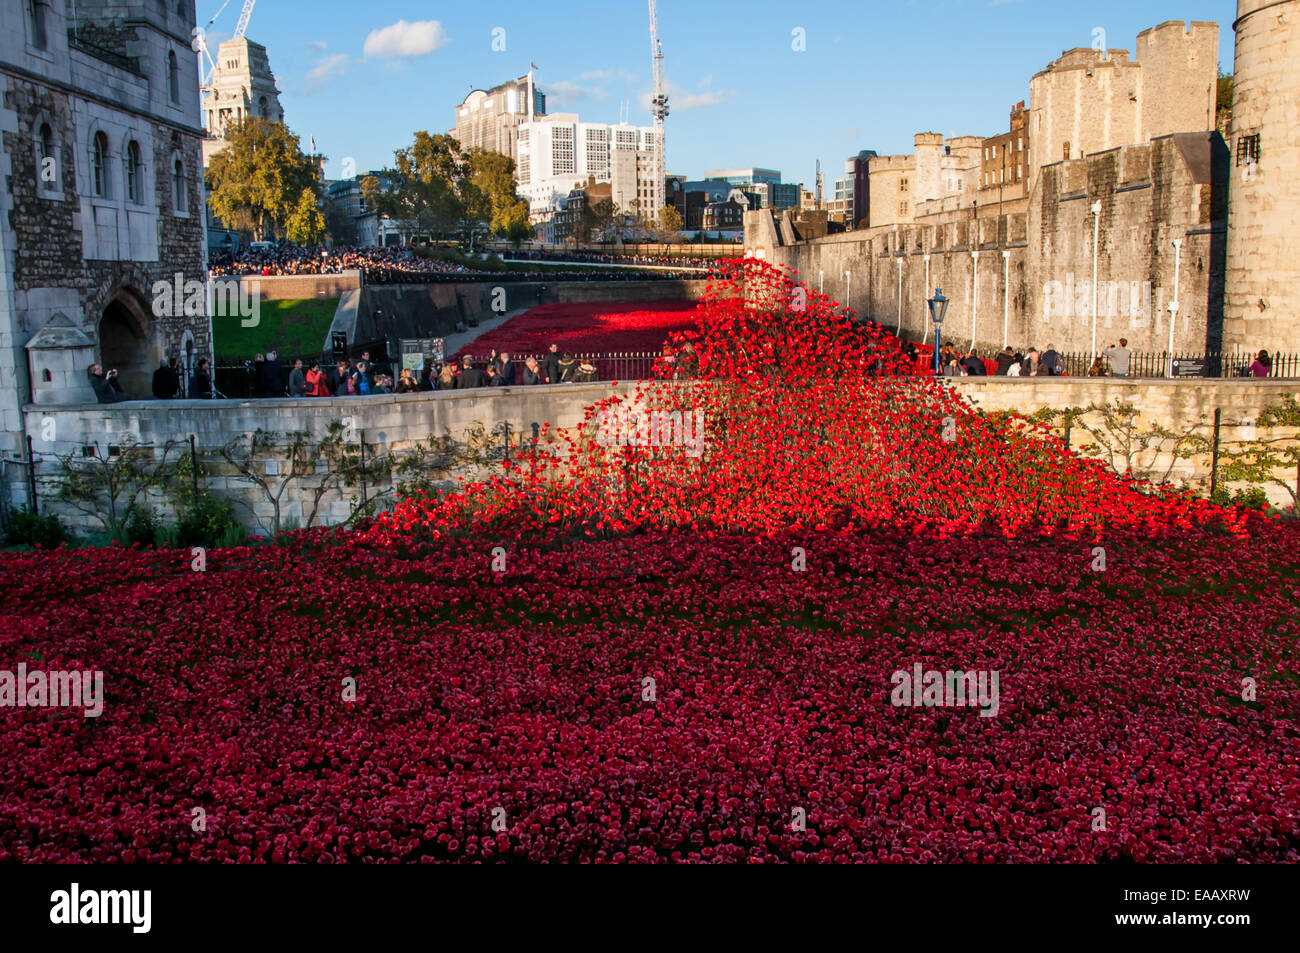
(294, 326)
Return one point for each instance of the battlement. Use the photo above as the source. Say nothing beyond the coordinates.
(1085, 57)
(927, 139)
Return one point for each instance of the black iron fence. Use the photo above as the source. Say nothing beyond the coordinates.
(238, 381)
(616, 366)
(1185, 364)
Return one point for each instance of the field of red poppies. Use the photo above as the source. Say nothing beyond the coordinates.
(628, 653)
(589, 328)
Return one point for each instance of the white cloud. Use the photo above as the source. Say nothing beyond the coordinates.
(609, 75)
(679, 100)
(566, 92)
(335, 65)
(403, 39)
(317, 46)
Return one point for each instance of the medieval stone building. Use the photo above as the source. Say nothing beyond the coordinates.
(99, 118)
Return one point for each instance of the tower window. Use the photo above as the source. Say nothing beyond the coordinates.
(1247, 149)
(134, 192)
(173, 77)
(178, 186)
(36, 19)
(99, 164)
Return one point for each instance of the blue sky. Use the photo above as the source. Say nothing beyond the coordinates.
(872, 74)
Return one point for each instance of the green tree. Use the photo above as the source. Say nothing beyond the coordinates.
(306, 226)
(1271, 458)
(1223, 99)
(670, 223)
(426, 188)
(257, 180)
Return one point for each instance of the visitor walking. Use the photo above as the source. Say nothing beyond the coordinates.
(1119, 358)
(1263, 365)
(316, 383)
(166, 385)
(297, 380)
(470, 376)
(551, 364)
(201, 381)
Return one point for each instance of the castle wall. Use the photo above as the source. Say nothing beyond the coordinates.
(1263, 267)
(1041, 290)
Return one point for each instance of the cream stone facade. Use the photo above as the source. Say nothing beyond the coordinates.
(1261, 309)
(242, 86)
(1090, 100)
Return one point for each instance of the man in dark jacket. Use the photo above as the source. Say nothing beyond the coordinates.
(297, 380)
(275, 376)
(201, 381)
(102, 385)
(1005, 359)
(165, 383)
(506, 373)
(974, 365)
(551, 365)
(470, 376)
(1052, 362)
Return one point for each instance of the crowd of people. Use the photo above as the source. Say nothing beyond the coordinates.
(273, 377)
(610, 258)
(286, 259)
(1115, 360)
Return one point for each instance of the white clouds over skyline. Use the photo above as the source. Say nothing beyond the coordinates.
(403, 39)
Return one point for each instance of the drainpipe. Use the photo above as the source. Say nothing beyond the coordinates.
(899, 332)
(1173, 305)
(1096, 231)
(1006, 294)
(974, 294)
(926, 335)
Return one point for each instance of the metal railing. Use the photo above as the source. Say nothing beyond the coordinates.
(610, 366)
(1150, 364)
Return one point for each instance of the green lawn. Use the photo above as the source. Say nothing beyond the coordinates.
(294, 326)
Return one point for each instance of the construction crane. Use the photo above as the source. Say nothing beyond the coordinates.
(199, 41)
(658, 104)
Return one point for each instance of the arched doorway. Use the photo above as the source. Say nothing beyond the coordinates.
(124, 343)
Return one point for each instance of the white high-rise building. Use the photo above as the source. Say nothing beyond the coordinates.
(558, 153)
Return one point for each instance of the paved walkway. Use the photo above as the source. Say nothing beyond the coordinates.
(454, 342)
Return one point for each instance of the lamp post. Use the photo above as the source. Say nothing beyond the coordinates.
(938, 311)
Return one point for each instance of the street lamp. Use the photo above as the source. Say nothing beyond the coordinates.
(938, 310)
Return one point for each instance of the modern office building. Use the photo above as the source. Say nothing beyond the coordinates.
(559, 153)
(489, 118)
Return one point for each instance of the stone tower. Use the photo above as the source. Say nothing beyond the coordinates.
(1262, 297)
(242, 86)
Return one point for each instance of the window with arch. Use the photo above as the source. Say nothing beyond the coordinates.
(134, 173)
(179, 202)
(173, 77)
(47, 162)
(36, 23)
(262, 107)
(99, 164)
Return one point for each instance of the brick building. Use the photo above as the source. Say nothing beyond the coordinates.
(101, 151)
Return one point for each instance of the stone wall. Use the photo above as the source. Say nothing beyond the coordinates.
(389, 422)
(1027, 266)
(395, 422)
(1182, 406)
(1263, 268)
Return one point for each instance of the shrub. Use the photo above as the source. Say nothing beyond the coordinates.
(207, 522)
(140, 528)
(34, 529)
